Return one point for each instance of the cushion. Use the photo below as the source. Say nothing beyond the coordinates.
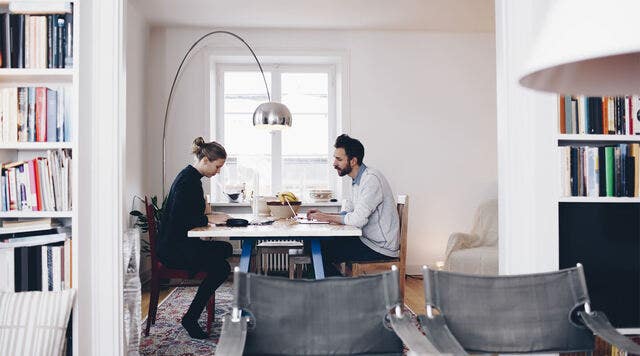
(34, 323)
(477, 260)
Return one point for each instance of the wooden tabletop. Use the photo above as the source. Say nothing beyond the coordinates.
(279, 228)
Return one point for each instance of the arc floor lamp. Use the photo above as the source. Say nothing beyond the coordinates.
(271, 115)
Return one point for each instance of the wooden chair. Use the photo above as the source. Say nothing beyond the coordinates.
(160, 272)
(354, 269)
(294, 262)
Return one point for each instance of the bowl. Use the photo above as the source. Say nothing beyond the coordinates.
(233, 197)
(282, 211)
(320, 195)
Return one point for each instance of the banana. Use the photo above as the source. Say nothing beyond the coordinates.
(287, 196)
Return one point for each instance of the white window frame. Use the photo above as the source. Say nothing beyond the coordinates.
(334, 125)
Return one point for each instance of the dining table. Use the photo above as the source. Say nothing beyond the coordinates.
(261, 228)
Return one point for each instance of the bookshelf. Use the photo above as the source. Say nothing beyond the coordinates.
(599, 201)
(65, 82)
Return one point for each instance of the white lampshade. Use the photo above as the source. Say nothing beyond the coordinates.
(587, 47)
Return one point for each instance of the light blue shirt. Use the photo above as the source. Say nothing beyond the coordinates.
(372, 208)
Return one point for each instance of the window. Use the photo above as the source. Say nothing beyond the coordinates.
(296, 159)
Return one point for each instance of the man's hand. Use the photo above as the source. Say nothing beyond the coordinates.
(312, 211)
(217, 218)
(320, 216)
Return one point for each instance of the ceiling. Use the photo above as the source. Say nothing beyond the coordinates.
(419, 15)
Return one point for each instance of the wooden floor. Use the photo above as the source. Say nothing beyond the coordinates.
(414, 296)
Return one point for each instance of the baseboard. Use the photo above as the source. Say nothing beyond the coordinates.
(414, 270)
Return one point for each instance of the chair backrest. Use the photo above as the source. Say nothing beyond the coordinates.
(34, 323)
(318, 317)
(153, 231)
(512, 314)
(403, 215)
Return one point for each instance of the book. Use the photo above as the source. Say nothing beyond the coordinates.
(31, 114)
(52, 115)
(19, 222)
(7, 273)
(41, 114)
(36, 240)
(610, 170)
(39, 8)
(23, 98)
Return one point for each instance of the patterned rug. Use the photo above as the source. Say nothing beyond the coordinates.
(168, 337)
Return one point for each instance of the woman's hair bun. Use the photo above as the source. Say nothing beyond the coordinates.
(198, 144)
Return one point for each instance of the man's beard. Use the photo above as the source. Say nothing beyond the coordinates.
(343, 172)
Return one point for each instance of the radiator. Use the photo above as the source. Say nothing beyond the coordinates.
(279, 262)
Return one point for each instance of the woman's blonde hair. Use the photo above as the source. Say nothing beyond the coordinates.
(212, 150)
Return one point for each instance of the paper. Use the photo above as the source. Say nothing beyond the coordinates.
(302, 219)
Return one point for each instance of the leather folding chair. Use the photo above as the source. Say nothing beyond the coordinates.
(277, 316)
(361, 268)
(160, 272)
(534, 313)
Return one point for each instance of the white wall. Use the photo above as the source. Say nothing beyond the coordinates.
(136, 39)
(422, 103)
(136, 52)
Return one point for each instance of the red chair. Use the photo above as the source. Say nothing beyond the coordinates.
(160, 272)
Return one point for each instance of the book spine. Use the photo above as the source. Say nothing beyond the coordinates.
(50, 39)
(67, 116)
(68, 58)
(52, 114)
(561, 115)
(60, 115)
(610, 167)
(23, 112)
(41, 114)
(7, 273)
(7, 40)
(568, 115)
(593, 188)
(31, 115)
(36, 170)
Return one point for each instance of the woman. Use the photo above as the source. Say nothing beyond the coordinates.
(185, 210)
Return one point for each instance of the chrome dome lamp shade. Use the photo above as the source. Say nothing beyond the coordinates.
(272, 116)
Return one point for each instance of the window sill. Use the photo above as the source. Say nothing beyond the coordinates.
(306, 204)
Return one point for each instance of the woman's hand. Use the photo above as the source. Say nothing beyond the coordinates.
(217, 218)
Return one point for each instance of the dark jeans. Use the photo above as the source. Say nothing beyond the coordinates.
(346, 249)
(209, 257)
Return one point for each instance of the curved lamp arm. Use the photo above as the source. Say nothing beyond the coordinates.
(175, 80)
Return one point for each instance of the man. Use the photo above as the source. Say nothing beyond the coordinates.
(371, 207)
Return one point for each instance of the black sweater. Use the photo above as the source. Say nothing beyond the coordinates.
(184, 211)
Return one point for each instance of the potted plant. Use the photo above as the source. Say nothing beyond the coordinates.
(142, 222)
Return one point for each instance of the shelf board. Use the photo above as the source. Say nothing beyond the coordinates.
(598, 138)
(27, 75)
(599, 200)
(629, 331)
(36, 214)
(34, 145)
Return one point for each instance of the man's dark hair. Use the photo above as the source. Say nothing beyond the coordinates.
(352, 147)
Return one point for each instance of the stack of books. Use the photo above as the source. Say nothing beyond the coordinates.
(35, 255)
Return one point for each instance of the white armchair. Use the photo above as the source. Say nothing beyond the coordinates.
(476, 252)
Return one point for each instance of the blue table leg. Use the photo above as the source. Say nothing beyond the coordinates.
(245, 257)
(316, 255)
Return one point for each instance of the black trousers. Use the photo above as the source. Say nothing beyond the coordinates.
(346, 249)
(209, 257)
